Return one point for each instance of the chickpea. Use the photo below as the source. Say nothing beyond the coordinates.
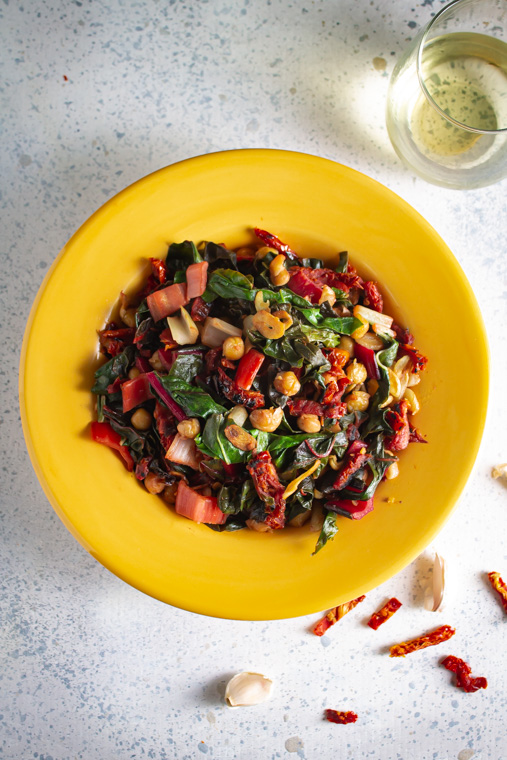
(328, 295)
(233, 348)
(127, 316)
(372, 386)
(392, 471)
(133, 373)
(356, 372)
(357, 401)
(347, 344)
(141, 419)
(189, 428)
(155, 362)
(261, 252)
(266, 420)
(309, 423)
(154, 483)
(169, 494)
(287, 383)
(245, 252)
(277, 271)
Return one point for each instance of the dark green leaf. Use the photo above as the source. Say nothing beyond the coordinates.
(343, 262)
(328, 532)
(181, 255)
(118, 366)
(194, 400)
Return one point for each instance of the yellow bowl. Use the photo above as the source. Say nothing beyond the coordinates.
(318, 207)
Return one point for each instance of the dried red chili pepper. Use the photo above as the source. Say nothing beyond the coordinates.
(250, 399)
(268, 487)
(339, 716)
(418, 360)
(387, 611)
(372, 297)
(159, 269)
(463, 672)
(355, 458)
(334, 615)
(273, 242)
(200, 309)
(397, 417)
(500, 587)
(439, 635)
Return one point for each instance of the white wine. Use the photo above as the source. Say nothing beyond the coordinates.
(464, 88)
(470, 89)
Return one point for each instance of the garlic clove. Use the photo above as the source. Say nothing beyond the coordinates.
(246, 689)
(435, 595)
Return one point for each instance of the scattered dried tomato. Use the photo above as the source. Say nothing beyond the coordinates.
(250, 399)
(268, 487)
(463, 672)
(334, 615)
(398, 420)
(443, 633)
(372, 297)
(335, 716)
(355, 458)
(384, 613)
(499, 585)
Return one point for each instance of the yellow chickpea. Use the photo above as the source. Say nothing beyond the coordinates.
(169, 494)
(141, 419)
(287, 383)
(347, 344)
(154, 483)
(133, 373)
(357, 401)
(155, 362)
(233, 348)
(189, 428)
(309, 423)
(356, 372)
(392, 471)
(266, 420)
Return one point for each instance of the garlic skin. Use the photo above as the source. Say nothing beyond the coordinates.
(246, 689)
(434, 600)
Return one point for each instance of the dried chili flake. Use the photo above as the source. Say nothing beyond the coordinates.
(464, 679)
(500, 587)
(439, 635)
(384, 613)
(334, 615)
(339, 716)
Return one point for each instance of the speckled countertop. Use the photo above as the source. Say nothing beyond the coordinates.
(95, 94)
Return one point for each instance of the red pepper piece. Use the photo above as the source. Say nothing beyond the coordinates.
(338, 716)
(159, 269)
(464, 679)
(268, 487)
(135, 392)
(250, 363)
(418, 360)
(398, 420)
(387, 611)
(250, 399)
(102, 432)
(334, 615)
(301, 284)
(355, 458)
(372, 297)
(273, 242)
(352, 508)
(439, 635)
(498, 584)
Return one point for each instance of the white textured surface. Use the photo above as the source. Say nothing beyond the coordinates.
(94, 96)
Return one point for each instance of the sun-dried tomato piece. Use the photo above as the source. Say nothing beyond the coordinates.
(159, 269)
(387, 611)
(355, 458)
(416, 436)
(334, 615)
(166, 425)
(268, 487)
(498, 584)
(300, 406)
(339, 716)
(200, 309)
(464, 679)
(418, 360)
(403, 334)
(341, 280)
(372, 297)
(439, 635)
(397, 417)
(113, 341)
(250, 399)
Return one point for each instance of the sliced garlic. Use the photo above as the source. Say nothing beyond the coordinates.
(435, 595)
(246, 689)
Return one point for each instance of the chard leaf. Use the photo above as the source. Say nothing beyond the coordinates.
(230, 525)
(181, 255)
(342, 325)
(328, 532)
(228, 283)
(377, 421)
(343, 262)
(328, 338)
(116, 367)
(194, 400)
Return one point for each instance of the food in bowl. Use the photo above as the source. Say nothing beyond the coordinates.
(253, 388)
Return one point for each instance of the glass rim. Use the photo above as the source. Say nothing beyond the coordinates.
(425, 90)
